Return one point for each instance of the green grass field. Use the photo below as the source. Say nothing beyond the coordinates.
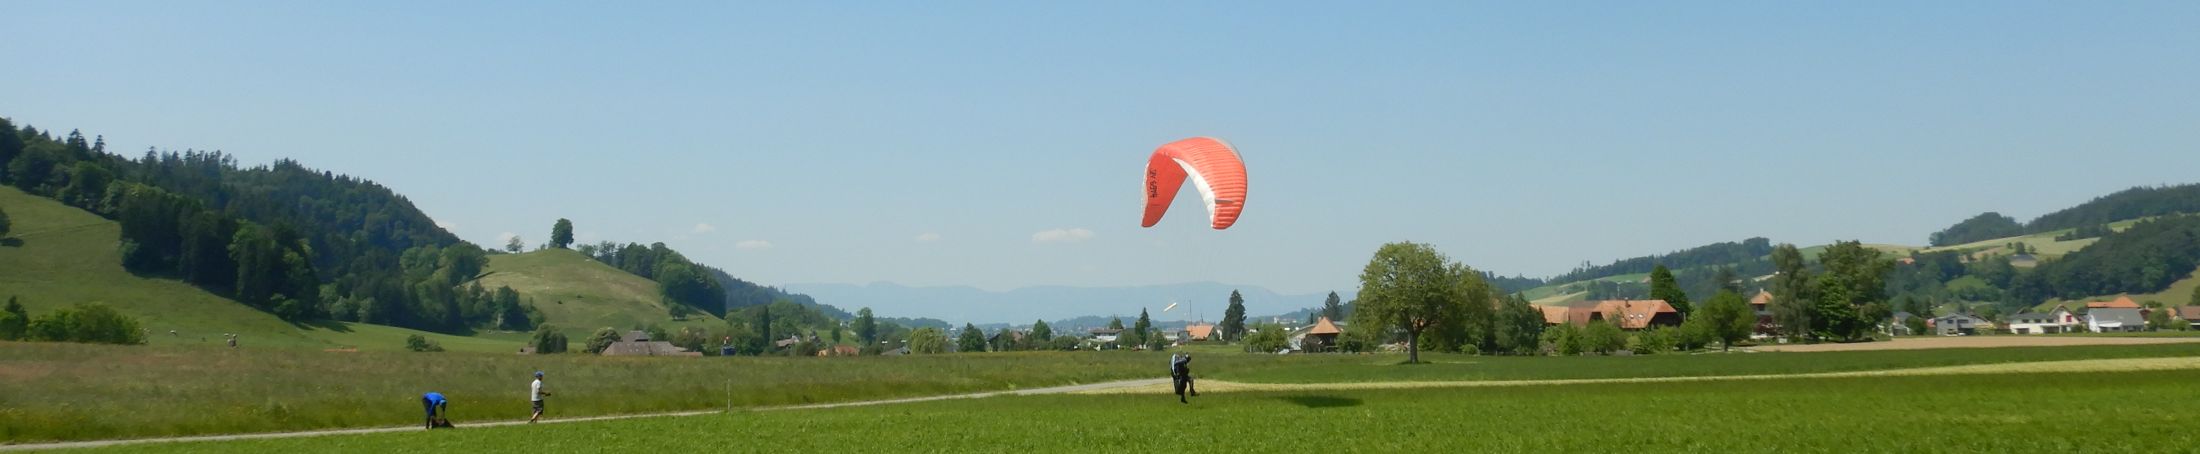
(2105, 412)
(79, 392)
(51, 391)
(1450, 367)
(64, 256)
(580, 295)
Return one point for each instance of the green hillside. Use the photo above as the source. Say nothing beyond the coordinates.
(63, 255)
(580, 295)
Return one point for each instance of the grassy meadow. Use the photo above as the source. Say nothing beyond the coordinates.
(54, 392)
(580, 295)
(2076, 412)
(77, 392)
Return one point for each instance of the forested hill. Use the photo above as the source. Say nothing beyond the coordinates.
(301, 243)
(307, 244)
(2131, 203)
(741, 293)
(1715, 254)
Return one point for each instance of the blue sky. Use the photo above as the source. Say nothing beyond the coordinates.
(1000, 144)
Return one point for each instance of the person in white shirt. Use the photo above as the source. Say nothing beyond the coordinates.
(535, 395)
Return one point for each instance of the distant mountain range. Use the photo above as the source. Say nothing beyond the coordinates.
(1023, 305)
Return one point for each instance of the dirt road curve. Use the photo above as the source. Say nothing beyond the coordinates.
(316, 433)
(1921, 343)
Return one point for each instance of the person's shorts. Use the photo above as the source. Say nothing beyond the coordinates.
(538, 406)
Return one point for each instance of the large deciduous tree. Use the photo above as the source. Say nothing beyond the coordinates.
(1727, 318)
(1791, 291)
(866, 326)
(972, 339)
(561, 234)
(1411, 287)
(927, 340)
(1519, 326)
(1041, 333)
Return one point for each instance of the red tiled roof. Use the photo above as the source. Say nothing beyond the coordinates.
(1762, 298)
(1200, 332)
(1323, 326)
(1626, 314)
(2121, 302)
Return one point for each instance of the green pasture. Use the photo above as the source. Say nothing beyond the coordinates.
(2098, 412)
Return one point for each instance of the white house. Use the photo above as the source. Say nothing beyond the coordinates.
(2115, 320)
(2059, 320)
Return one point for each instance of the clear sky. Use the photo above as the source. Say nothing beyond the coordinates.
(1001, 144)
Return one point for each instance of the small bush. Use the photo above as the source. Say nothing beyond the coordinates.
(547, 340)
(91, 323)
(421, 344)
(602, 339)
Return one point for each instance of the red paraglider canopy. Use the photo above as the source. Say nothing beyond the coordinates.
(1211, 164)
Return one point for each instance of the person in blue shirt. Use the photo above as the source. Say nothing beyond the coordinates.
(438, 409)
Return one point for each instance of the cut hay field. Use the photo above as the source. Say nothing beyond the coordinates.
(2141, 412)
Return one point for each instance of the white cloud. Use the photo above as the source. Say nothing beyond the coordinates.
(505, 237)
(705, 228)
(752, 244)
(1071, 235)
(928, 237)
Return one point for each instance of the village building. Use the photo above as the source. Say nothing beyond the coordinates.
(1899, 325)
(2121, 302)
(637, 343)
(2115, 320)
(1199, 332)
(1318, 337)
(2059, 320)
(1629, 315)
(1959, 325)
(2188, 313)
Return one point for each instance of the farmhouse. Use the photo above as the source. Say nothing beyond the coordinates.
(1959, 324)
(1626, 314)
(2059, 320)
(637, 343)
(1199, 332)
(2121, 302)
(2115, 320)
(838, 350)
(2189, 313)
(1318, 337)
(1899, 325)
(1105, 335)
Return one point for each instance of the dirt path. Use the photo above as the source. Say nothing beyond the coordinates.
(2013, 340)
(2088, 365)
(1092, 387)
